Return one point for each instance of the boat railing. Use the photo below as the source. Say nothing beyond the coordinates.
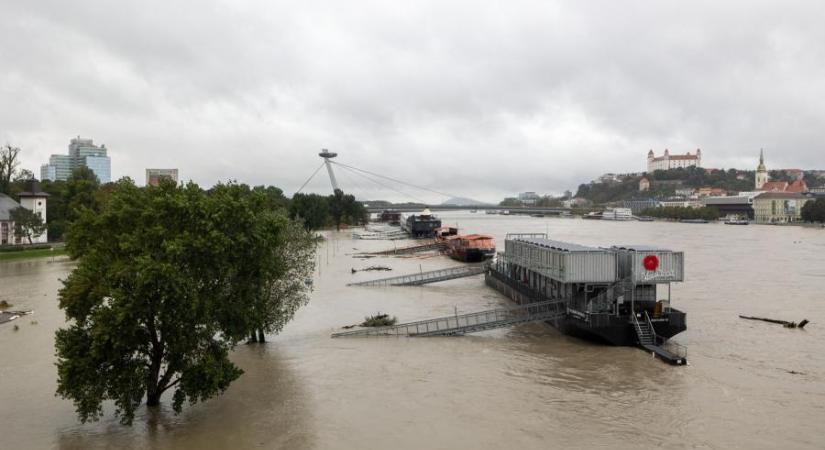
(672, 347)
(656, 338)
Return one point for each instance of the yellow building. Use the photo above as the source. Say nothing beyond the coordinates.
(778, 207)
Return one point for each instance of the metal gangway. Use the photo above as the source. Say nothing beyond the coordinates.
(433, 245)
(432, 276)
(469, 323)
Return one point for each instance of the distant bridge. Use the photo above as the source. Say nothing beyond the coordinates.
(512, 209)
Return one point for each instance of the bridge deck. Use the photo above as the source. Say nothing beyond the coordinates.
(468, 323)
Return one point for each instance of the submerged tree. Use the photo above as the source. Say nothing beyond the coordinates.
(289, 284)
(166, 284)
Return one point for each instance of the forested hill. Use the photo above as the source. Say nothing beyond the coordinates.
(665, 183)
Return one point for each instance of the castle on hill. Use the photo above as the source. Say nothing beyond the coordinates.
(668, 161)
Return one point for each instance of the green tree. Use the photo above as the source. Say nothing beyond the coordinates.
(81, 192)
(814, 211)
(165, 285)
(289, 285)
(311, 209)
(27, 223)
(274, 197)
(510, 201)
(56, 208)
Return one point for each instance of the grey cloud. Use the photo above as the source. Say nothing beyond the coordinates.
(480, 99)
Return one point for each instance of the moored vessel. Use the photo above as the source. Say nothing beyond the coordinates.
(618, 295)
(422, 225)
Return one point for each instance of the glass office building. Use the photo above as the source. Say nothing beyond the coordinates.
(82, 153)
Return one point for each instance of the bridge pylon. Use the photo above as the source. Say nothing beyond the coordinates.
(327, 155)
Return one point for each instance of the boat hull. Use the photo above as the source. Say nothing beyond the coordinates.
(472, 254)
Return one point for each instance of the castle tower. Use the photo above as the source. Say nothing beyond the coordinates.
(761, 171)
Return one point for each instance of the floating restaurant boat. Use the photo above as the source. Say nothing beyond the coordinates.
(593, 216)
(737, 222)
(422, 225)
(617, 214)
(466, 247)
(618, 295)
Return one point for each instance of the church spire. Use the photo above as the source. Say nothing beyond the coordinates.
(761, 171)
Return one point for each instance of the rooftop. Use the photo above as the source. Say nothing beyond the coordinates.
(558, 245)
(6, 205)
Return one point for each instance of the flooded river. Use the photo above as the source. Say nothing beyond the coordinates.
(749, 385)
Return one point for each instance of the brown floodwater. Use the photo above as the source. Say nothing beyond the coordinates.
(749, 384)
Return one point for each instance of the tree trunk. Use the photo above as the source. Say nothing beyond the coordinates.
(261, 337)
(153, 398)
(253, 338)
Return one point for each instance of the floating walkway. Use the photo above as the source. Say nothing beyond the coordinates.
(432, 276)
(469, 323)
(411, 249)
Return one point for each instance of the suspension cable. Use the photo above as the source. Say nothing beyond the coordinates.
(309, 179)
(393, 179)
(382, 184)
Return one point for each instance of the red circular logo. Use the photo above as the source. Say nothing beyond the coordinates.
(651, 262)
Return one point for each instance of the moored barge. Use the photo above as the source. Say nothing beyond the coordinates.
(422, 225)
(466, 247)
(618, 295)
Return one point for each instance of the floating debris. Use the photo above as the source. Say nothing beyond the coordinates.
(379, 320)
(784, 323)
(8, 316)
(4, 304)
(371, 268)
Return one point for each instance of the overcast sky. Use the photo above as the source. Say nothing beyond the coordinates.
(479, 99)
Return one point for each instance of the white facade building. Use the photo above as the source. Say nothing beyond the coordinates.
(668, 161)
(34, 200)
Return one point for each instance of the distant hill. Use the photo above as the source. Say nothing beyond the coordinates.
(461, 201)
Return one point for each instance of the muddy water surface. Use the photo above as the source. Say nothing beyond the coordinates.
(750, 384)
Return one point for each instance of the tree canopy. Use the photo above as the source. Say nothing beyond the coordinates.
(169, 279)
(27, 223)
(814, 211)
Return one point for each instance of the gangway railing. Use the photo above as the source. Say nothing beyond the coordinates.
(468, 323)
(432, 276)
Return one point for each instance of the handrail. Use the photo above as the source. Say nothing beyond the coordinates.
(652, 330)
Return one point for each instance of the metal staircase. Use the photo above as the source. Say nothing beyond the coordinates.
(648, 339)
(469, 323)
(432, 276)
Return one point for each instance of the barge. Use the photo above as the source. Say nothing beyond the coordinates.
(618, 295)
(422, 225)
(466, 247)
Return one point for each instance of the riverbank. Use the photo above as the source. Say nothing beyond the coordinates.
(56, 250)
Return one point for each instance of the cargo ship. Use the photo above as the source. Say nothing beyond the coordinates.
(466, 247)
(422, 225)
(618, 295)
